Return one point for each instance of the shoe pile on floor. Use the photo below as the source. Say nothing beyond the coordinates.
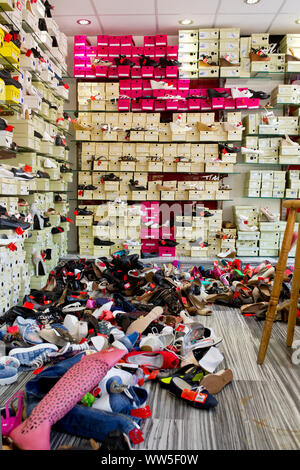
(100, 329)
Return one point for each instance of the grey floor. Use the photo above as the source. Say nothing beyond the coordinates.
(258, 411)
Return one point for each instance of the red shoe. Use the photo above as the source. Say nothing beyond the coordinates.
(153, 360)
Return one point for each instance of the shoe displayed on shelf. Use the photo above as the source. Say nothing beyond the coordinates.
(241, 93)
(229, 253)
(99, 242)
(291, 57)
(246, 150)
(206, 61)
(269, 215)
(261, 95)
(227, 62)
(123, 60)
(147, 61)
(287, 142)
(224, 148)
(21, 174)
(164, 62)
(243, 225)
(213, 93)
(258, 55)
(160, 85)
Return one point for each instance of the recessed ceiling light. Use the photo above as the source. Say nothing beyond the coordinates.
(83, 22)
(297, 21)
(185, 22)
(251, 2)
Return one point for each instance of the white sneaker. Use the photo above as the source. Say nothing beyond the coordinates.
(236, 93)
(133, 242)
(229, 253)
(5, 173)
(247, 150)
(161, 85)
(47, 138)
(48, 163)
(154, 342)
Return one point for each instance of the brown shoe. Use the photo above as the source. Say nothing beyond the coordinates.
(226, 63)
(214, 383)
(256, 55)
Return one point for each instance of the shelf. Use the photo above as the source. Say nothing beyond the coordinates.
(158, 141)
(155, 200)
(160, 172)
(268, 164)
(258, 197)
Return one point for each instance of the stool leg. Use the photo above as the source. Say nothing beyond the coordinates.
(294, 297)
(279, 275)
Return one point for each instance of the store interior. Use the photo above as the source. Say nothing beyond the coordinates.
(149, 212)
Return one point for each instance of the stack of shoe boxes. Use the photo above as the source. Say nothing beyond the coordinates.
(285, 94)
(150, 232)
(247, 241)
(37, 122)
(277, 61)
(208, 53)
(265, 150)
(290, 45)
(229, 49)
(282, 125)
(188, 44)
(267, 184)
(293, 186)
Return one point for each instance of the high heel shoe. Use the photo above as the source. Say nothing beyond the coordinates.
(38, 221)
(40, 268)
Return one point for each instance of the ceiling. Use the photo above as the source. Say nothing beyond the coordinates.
(149, 17)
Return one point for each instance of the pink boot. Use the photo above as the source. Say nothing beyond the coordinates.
(34, 432)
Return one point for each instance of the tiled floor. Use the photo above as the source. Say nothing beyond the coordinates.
(258, 411)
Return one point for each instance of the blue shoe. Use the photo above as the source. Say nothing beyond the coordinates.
(127, 342)
(29, 330)
(35, 356)
(8, 375)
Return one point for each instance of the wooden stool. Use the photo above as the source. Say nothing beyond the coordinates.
(279, 276)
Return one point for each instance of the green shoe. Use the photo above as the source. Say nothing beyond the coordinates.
(191, 372)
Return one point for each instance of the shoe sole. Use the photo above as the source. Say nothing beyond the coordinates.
(214, 383)
(9, 380)
(33, 348)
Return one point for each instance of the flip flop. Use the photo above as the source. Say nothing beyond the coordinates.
(214, 383)
(142, 323)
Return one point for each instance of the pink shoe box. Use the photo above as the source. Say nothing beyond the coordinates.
(147, 105)
(183, 93)
(206, 105)
(124, 85)
(91, 51)
(160, 52)
(81, 40)
(114, 41)
(172, 105)
(135, 94)
(172, 52)
(173, 82)
(159, 93)
(171, 72)
(136, 105)
(137, 51)
(194, 104)
(149, 52)
(124, 104)
(197, 92)
(149, 246)
(183, 84)
(79, 62)
(126, 50)
(151, 207)
(102, 40)
(90, 72)
(253, 103)
(79, 72)
(161, 40)
(137, 84)
(149, 41)
(217, 103)
(229, 103)
(183, 105)
(147, 93)
(114, 51)
(79, 51)
(136, 72)
(168, 252)
(241, 103)
(127, 40)
(221, 90)
(136, 62)
(150, 234)
(124, 71)
(159, 72)
(146, 85)
(102, 51)
(112, 72)
(147, 72)
(159, 105)
(101, 71)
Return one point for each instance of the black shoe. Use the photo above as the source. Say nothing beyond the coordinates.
(65, 169)
(192, 394)
(3, 210)
(55, 230)
(83, 211)
(164, 62)
(21, 174)
(212, 93)
(12, 223)
(123, 60)
(54, 41)
(99, 242)
(224, 148)
(134, 186)
(48, 253)
(58, 198)
(259, 94)
(8, 80)
(10, 316)
(168, 243)
(150, 255)
(147, 62)
(48, 9)
(90, 187)
(42, 174)
(110, 177)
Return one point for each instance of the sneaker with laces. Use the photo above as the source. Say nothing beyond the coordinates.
(35, 356)
(29, 330)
